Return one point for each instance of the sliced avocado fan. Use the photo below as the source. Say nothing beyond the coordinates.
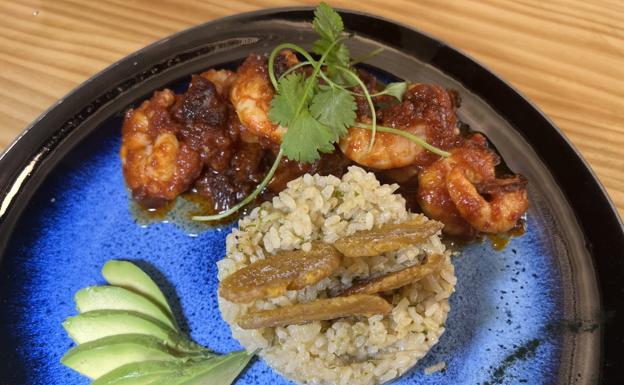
(126, 335)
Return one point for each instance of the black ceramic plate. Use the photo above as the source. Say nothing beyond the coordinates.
(545, 310)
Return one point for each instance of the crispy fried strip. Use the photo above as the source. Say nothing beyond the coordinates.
(273, 276)
(388, 237)
(319, 310)
(397, 279)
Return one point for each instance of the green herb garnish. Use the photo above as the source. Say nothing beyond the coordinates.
(126, 334)
(319, 109)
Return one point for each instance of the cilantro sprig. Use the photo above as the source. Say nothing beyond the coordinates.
(319, 109)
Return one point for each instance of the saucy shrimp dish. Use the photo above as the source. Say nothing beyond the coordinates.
(339, 270)
(218, 139)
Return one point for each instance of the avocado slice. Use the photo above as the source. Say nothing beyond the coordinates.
(129, 276)
(139, 373)
(96, 324)
(220, 370)
(117, 298)
(159, 372)
(223, 373)
(96, 358)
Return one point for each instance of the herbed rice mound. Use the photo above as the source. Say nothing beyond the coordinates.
(355, 351)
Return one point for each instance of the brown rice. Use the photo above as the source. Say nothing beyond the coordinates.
(344, 351)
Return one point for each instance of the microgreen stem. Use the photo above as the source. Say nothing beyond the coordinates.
(249, 198)
(416, 139)
(370, 103)
(295, 67)
(366, 56)
(384, 92)
(277, 50)
(309, 61)
(334, 84)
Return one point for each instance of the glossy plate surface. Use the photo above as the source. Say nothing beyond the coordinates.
(531, 313)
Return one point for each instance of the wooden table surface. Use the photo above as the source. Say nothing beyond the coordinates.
(565, 55)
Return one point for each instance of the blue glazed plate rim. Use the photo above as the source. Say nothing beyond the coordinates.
(29, 159)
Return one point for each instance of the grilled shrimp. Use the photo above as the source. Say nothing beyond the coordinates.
(435, 201)
(507, 201)
(453, 190)
(222, 80)
(252, 92)
(157, 167)
(427, 111)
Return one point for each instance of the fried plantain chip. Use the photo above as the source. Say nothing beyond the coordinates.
(319, 310)
(388, 237)
(396, 279)
(273, 276)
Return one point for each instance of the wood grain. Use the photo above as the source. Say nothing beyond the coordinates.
(565, 55)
